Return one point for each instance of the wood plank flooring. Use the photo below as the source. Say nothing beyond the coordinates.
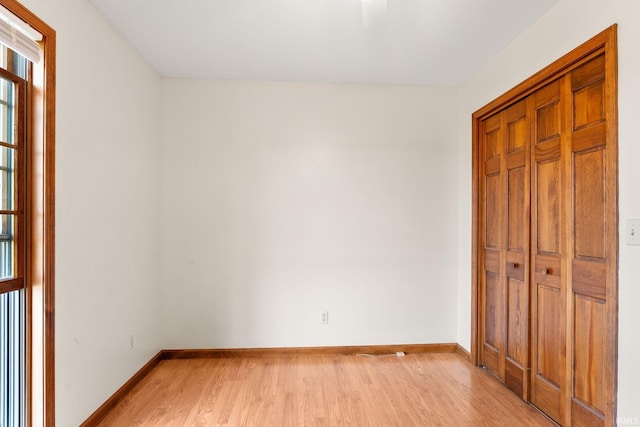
(429, 389)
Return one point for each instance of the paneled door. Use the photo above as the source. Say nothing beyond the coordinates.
(590, 171)
(569, 258)
(505, 290)
(545, 227)
(549, 236)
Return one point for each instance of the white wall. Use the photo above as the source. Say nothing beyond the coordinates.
(279, 200)
(282, 199)
(107, 201)
(564, 27)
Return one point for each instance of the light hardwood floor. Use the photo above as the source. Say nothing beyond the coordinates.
(426, 389)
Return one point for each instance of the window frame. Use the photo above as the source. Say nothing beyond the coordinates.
(20, 146)
(40, 224)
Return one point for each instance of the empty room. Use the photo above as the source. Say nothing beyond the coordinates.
(319, 212)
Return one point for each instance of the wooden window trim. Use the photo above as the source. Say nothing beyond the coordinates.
(40, 274)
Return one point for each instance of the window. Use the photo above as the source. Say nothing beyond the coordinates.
(12, 231)
(27, 166)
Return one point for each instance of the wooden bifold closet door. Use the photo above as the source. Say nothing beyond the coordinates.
(505, 294)
(545, 229)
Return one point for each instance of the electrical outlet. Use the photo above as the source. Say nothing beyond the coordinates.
(633, 232)
(324, 317)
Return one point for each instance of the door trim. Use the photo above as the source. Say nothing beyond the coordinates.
(605, 42)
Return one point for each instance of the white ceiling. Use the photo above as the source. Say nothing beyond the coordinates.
(422, 42)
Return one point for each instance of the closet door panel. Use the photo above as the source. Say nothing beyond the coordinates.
(492, 324)
(518, 321)
(588, 86)
(546, 236)
(589, 249)
(589, 209)
(518, 224)
(493, 227)
(518, 133)
(506, 224)
(517, 335)
(547, 365)
(491, 302)
(548, 207)
(589, 351)
(493, 293)
(548, 287)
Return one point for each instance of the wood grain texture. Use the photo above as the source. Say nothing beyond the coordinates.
(321, 390)
(590, 254)
(122, 392)
(611, 153)
(301, 351)
(461, 351)
(504, 196)
(549, 234)
(571, 108)
(282, 352)
(606, 39)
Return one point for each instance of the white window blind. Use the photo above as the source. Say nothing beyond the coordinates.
(16, 35)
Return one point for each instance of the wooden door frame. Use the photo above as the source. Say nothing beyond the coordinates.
(605, 42)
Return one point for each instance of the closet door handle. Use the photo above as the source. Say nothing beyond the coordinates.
(513, 265)
(545, 271)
